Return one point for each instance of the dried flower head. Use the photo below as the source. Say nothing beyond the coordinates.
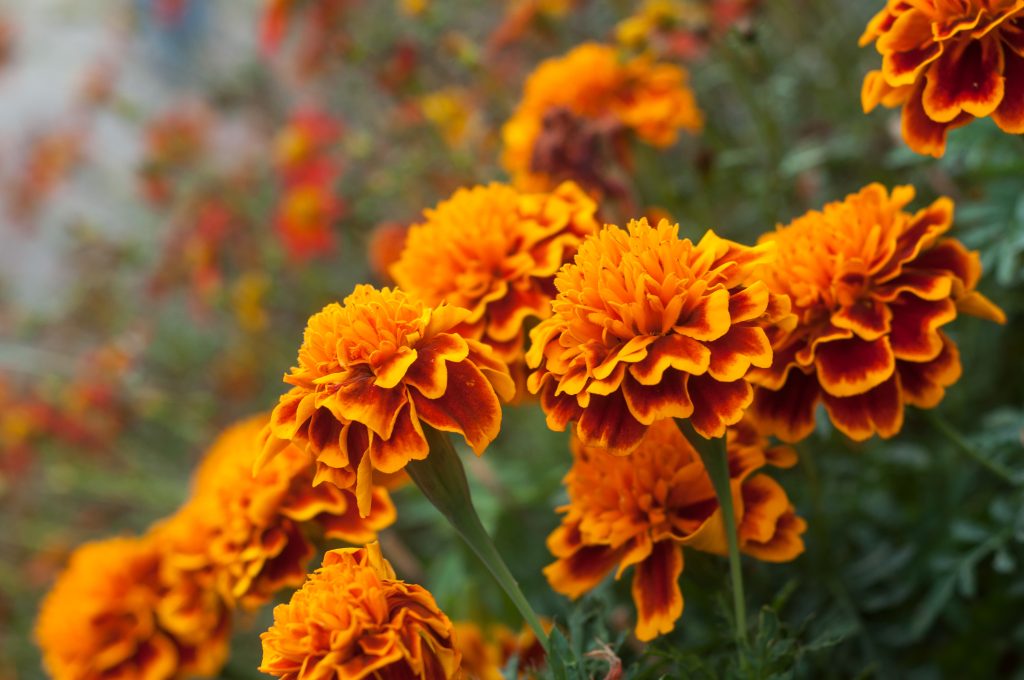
(872, 286)
(591, 81)
(642, 510)
(370, 372)
(495, 252)
(947, 62)
(353, 619)
(649, 326)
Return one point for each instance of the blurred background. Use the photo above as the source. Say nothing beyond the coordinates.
(157, 268)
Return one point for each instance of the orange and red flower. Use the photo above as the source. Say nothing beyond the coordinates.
(307, 140)
(642, 510)
(354, 619)
(104, 618)
(486, 653)
(372, 371)
(250, 531)
(947, 62)
(591, 82)
(495, 252)
(307, 212)
(872, 286)
(649, 326)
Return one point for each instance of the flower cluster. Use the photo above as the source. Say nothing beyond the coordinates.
(593, 84)
(495, 251)
(642, 510)
(371, 372)
(648, 326)
(872, 286)
(946, 63)
(354, 619)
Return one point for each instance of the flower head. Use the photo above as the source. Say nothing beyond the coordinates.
(649, 326)
(371, 372)
(249, 531)
(104, 619)
(642, 510)
(306, 140)
(307, 212)
(652, 99)
(872, 285)
(947, 62)
(353, 619)
(495, 252)
(486, 652)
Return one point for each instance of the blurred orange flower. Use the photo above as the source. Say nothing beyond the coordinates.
(370, 370)
(308, 138)
(250, 531)
(307, 213)
(384, 247)
(495, 252)
(592, 82)
(642, 510)
(486, 653)
(354, 619)
(946, 63)
(649, 326)
(103, 619)
(871, 285)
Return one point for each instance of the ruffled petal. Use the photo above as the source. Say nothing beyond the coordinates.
(879, 410)
(656, 593)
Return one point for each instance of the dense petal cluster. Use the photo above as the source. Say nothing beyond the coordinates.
(107, 617)
(371, 371)
(649, 326)
(486, 652)
(642, 510)
(947, 62)
(353, 619)
(650, 98)
(248, 532)
(872, 286)
(495, 251)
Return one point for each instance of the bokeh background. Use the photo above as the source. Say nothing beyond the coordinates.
(150, 294)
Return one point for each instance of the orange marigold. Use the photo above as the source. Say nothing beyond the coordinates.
(486, 653)
(495, 252)
(370, 370)
(354, 619)
(250, 531)
(642, 510)
(947, 62)
(103, 619)
(649, 326)
(872, 285)
(653, 99)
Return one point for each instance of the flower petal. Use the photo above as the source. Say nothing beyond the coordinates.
(667, 399)
(671, 351)
(879, 410)
(734, 353)
(915, 335)
(924, 384)
(656, 593)
(716, 405)
(1010, 114)
(608, 422)
(469, 407)
(854, 366)
(788, 412)
(966, 78)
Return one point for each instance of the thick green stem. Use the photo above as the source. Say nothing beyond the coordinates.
(964, 446)
(442, 479)
(716, 461)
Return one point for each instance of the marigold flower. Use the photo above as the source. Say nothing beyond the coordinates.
(306, 139)
(947, 62)
(642, 510)
(649, 326)
(102, 619)
(370, 370)
(591, 81)
(354, 619)
(495, 252)
(872, 285)
(250, 530)
(486, 653)
(307, 212)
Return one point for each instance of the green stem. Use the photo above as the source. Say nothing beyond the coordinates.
(716, 461)
(442, 479)
(964, 446)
